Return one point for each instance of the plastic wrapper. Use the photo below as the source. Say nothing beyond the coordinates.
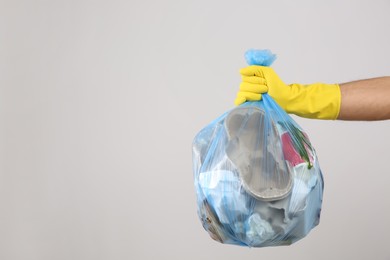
(257, 178)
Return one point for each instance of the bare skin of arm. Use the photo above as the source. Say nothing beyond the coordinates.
(367, 99)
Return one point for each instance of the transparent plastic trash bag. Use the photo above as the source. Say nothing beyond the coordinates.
(257, 178)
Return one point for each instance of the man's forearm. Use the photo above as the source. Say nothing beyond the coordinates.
(365, 99)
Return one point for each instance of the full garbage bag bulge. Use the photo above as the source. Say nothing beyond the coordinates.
(257, 177)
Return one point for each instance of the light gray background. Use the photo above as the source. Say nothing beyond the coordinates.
(100, 101)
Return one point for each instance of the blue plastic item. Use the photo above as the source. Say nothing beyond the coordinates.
(257, 178)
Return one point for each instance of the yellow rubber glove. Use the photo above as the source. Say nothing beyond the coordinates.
(319, 101)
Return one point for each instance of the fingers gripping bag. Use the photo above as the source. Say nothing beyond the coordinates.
(257, 178)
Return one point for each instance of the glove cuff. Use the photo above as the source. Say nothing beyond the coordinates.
(318, 101)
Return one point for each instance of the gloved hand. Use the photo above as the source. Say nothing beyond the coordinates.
(319, 101)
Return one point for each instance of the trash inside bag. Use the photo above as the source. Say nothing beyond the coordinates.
(257, 178)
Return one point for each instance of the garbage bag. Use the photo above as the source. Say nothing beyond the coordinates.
(257, 177)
